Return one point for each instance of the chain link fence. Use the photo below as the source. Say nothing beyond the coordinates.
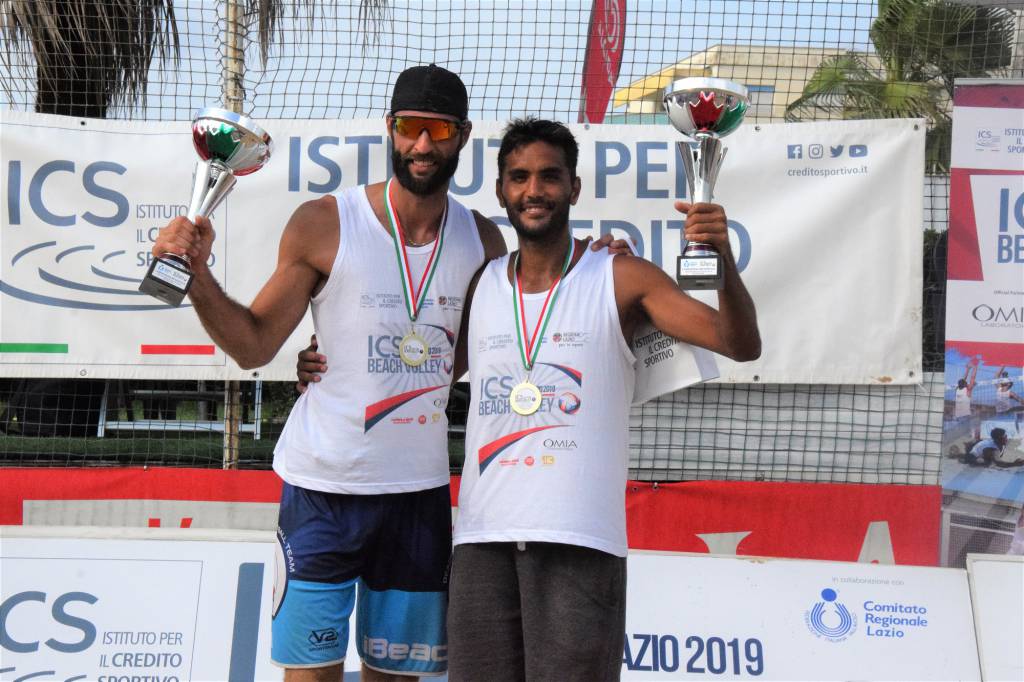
(801, 60)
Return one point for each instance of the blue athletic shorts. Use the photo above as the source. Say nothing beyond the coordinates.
(394, 547)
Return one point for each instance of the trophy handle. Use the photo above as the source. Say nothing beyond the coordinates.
(701, 166)
(211, 184)
(699, 266)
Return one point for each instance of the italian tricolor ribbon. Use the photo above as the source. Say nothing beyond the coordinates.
(413, 297)
(529, 345)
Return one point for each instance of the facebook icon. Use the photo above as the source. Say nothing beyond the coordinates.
(795, 151)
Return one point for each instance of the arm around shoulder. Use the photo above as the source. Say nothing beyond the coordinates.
(490, 236)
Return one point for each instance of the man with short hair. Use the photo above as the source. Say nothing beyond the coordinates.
(538, 578)
(537, 589)
(964, 390)
(366, 502)
(1004, 392)
(990, 450)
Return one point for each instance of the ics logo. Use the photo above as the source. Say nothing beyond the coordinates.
(986, 140)
(830, 619)
(569, 403)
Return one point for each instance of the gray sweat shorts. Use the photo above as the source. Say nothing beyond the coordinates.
(535, 612)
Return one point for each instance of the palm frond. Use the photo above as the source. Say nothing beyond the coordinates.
(90, 55)
(373, 14)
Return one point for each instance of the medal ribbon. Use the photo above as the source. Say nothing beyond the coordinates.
(529, 345)
(413, 297)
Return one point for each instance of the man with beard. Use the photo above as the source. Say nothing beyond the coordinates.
(538, 578)
(364, 452)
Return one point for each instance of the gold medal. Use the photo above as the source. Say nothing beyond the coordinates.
(413, 350)
(524, 399)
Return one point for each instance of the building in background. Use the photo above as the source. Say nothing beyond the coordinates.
(774, 75)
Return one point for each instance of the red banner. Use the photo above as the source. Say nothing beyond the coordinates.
(605, 39)
(132, 483)
(885, 523)
(828, 521)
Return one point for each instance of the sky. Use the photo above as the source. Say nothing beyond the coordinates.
(515, 57)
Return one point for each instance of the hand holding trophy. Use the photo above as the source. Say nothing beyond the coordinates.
(705, 109)
(228, 145)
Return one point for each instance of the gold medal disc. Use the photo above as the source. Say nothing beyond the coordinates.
(413, 349)
(524, 399)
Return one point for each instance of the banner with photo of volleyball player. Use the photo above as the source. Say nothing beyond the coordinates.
(985, 287)
(983, 426)
(825, 220)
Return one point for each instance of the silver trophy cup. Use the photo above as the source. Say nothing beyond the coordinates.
(705, 110)
(228, 145)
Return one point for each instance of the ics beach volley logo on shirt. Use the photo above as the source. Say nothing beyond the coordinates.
(830, 619)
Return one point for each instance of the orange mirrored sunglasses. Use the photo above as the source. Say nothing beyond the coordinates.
(438, 128)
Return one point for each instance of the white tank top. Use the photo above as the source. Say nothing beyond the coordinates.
(558, 475)
(963, 403)
(1003, 398)
(374, 424)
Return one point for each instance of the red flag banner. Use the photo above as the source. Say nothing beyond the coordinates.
(889, 524)
(605, 39)
(835, 522)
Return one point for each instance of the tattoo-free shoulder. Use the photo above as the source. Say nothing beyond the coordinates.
(312, 233)
(316, 217)
(633, 273)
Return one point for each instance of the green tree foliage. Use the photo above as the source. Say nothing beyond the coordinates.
(921, 47)
(91, 55)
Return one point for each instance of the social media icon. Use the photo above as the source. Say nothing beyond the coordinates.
(835, 151)
(815, 151)
(795, 151)
(858, 150)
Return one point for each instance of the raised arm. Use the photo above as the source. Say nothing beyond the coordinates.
(252, 335)
(644, 292)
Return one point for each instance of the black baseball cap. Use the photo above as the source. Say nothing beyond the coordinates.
(430, 88)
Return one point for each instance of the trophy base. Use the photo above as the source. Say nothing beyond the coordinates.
(702, 271)
(167, 279)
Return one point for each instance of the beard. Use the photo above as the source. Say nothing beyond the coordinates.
(443, 172)
(550, 230)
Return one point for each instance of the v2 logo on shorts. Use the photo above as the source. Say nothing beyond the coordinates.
(322, 639)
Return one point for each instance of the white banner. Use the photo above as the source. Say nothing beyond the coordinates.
(167, 604)
(997, 592)
(148, 606)
(712, 617)
(825, 218)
